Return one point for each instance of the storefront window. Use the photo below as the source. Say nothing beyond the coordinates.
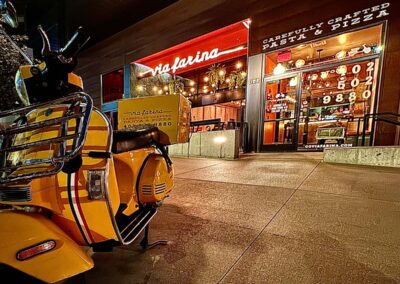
(113, 86)
(211, 71)
(217, 78)
(322, 100)
(343, 47)
(221, 116)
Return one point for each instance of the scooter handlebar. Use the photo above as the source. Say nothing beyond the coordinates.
(70, 50)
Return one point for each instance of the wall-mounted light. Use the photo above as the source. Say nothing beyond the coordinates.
(192, 89)
(342, 39)
(379, 49)
(293, 82)
(247, 23)
(300, 63)
(279, 69)
(206, 79)
(140, 88)
(155, 88)
(239, 65)
(165, 88)
(341, 70)
(341, 54)
(191, 83)
(219, 139)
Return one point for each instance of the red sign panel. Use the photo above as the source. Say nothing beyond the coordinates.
(217, 46)
(284, 56)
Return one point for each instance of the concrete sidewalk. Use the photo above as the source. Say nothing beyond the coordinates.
(268, 218)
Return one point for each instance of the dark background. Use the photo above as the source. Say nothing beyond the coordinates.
(100, 19)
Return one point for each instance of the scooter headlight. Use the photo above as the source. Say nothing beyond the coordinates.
(21, 89)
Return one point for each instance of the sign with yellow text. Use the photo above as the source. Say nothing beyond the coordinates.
(171, 114)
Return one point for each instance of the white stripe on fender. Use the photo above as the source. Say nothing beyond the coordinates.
(77, 212)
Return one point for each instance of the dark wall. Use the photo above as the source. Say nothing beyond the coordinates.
(187, 19)
(102, 18)
(48, 13)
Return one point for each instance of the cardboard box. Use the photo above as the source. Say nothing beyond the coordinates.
(171, 114)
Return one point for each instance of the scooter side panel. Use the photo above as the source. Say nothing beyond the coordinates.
(127, 167)
(156, 180)
(21, 230)
(89, 221)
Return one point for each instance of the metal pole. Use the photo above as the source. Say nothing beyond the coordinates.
(364, 130)
(372, 134)
(3, 32)
(358, 130)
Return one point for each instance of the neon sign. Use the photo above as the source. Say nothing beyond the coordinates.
(180, 63)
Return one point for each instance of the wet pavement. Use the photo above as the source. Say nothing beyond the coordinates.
(267, 218)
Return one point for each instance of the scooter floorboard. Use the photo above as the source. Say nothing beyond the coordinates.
(131, 226)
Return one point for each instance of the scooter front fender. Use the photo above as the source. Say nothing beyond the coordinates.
(23, 230)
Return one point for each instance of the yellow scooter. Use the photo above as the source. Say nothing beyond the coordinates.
(67, 179)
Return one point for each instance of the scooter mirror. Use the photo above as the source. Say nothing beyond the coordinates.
(46, 50)
(8, 14)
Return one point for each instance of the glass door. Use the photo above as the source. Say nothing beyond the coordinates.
(334, 101)
(279, 131)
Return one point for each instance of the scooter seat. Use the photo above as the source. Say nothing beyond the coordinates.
(131, 139)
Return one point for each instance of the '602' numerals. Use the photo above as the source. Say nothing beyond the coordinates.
(366, 94)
